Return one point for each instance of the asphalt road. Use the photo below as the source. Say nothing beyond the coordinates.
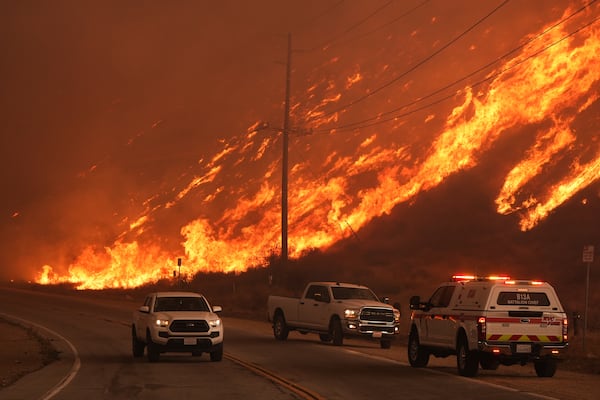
(93, 336)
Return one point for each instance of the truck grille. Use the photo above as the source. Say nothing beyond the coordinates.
(377, 315)
(188, 325)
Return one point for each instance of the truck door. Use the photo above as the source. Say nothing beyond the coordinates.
(440, 321)
(313, 310)
(141, 319)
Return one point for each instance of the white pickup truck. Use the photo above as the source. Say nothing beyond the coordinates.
(334, 310)
(177, 322)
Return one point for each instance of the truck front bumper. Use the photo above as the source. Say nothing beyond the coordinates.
(177, 345)
(165, 341)
(376, 331)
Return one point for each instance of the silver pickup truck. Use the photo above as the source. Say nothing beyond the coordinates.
(335, 310)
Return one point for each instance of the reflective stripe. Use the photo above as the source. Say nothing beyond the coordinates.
(522, 338)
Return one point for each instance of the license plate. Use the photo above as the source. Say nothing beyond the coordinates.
(189, 341)
(523, 348)
(377, 335)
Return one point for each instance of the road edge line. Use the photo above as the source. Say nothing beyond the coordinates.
(76, 363)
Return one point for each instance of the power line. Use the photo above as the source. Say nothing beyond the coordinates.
(356, 25)
(337, 39)
(319, 16)
(393, 21)
(417, 65)
(377, 120)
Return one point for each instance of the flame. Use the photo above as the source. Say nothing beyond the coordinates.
(333, 193)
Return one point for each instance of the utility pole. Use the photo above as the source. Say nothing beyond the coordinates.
(588, 257)
(284, 160)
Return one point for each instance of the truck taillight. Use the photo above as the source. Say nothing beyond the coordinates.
(481, 329)
(565, 330)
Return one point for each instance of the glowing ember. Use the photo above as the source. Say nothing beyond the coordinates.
(334, 193)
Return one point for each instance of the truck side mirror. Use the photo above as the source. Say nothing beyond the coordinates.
(415, 303)
(385, 300)
(144, 309)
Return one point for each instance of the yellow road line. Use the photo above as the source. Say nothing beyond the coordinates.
(303, 392)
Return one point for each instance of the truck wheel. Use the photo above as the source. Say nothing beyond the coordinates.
(137, 346)
(217, 355)
(418, 357)
(324, 337)
(336, 333)
(280, 329)
(545, 368)
(467, 360)
(153, 352)
(385, 344)
(488, 361)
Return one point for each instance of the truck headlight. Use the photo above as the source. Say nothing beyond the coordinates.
(162, 322)
(396, 315)
(351, 313)
(214, 323)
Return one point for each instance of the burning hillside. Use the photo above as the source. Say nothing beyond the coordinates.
(374, 125)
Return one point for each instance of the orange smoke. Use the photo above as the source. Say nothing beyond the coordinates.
(547, 85)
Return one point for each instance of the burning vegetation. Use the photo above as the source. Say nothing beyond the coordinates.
(374, 130)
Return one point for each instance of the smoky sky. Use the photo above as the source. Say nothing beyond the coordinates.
(105, 104)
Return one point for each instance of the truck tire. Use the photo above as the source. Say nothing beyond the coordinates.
(385, 344)
(336, 333)
(137, 346)
(467, 361)
(217, 355)
(152, 349)
(325, 337)
(418, 357)
(280, 328)
(545, 368)
(488, 361)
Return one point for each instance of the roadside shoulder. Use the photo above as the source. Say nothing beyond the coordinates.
(23, 351)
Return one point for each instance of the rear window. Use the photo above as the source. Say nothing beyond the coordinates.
(523, 299)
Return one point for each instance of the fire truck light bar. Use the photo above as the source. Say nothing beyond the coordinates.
(463, 277)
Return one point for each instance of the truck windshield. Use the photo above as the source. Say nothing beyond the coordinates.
(345, 293)
(180, 304)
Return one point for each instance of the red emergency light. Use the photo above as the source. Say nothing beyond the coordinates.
(465, 277)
